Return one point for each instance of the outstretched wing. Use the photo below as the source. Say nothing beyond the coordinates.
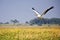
(47, 10)
(37, 13)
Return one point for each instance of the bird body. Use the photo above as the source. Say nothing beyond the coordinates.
(37, 14)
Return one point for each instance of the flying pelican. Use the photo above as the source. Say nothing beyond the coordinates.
(40, 16)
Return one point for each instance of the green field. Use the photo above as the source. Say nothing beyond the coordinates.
(29, 33)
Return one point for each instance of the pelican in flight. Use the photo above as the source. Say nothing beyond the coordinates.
(40, 16)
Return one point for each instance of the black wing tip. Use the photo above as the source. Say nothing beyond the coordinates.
(52, 6)
(33, 8)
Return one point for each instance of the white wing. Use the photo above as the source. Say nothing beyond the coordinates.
(37, 14)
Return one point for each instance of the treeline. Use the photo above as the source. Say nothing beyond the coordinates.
(45, 21)
(13, 21)
(35, 21)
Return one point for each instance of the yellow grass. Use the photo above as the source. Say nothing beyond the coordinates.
(29, 33)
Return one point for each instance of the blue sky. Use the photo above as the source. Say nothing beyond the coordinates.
(21, 9)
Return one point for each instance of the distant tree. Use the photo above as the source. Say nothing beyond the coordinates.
(1, 22)
(27, 22)
(45, 21)
(14, 21)
(6, 23)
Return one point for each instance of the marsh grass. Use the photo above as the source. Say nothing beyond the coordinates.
(29, 33)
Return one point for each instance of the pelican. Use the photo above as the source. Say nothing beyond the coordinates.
(38, 14)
